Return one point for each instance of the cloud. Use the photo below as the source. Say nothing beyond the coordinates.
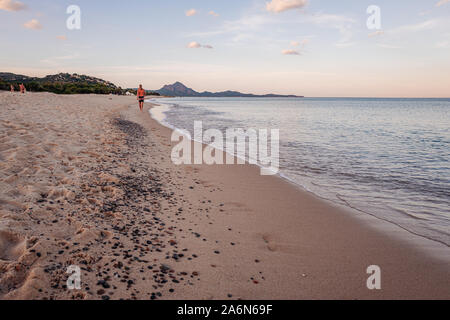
(442, 2)
(443, 44)
(290, 52)
(196, 45)
(258, 26)
(425, 13)
(191, 12)
(388, 46)
(326, 19)
(376, 33)
(60, 60)
(277, 6)
(10, 5)
(238, 27)
(302, 44)
(343, 24)
(33, 24)
(425, 25)
(212, 13)
(344, 44)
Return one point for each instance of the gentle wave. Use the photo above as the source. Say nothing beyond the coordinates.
(385, 157)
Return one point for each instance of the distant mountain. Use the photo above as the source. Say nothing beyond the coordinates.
(180, 90)
(177, 89)
(61, 78)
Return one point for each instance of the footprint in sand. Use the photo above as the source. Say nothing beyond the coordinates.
(60, 193)
(12, 246)
(11, 205)
(268, 240)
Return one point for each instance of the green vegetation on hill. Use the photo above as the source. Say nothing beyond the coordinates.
(4, 85)
(62, 83)
(64, 88)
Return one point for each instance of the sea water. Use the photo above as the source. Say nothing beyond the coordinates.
(386, 157)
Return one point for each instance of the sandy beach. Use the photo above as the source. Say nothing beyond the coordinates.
(87, 180)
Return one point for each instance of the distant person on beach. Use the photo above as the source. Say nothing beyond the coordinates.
(12, 89)
(141, 97)
(22, 88)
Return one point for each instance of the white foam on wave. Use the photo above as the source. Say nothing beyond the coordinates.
(158, 114)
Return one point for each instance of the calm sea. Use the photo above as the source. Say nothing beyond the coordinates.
(387, 157)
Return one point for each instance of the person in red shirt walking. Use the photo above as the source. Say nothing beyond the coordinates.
(141, 97)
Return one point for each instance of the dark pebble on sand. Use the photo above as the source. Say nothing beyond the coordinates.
(104, 284)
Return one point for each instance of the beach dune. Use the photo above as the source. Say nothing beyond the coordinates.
(87, 181)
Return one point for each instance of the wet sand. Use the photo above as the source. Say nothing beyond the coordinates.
(87, 180)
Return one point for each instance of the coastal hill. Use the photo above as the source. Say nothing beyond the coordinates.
(63, 83)
(60, 77)
(180, 90)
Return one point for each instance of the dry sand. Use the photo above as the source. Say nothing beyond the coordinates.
(87, 180)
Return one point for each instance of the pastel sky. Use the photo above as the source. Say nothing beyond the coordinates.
(307, 47)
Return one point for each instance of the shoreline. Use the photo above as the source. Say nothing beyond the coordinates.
(99, 191)
(435, 247)
(427, 247)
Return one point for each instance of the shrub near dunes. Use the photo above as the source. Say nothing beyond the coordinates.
(64, 88)
(74, 88)
(4, 85)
